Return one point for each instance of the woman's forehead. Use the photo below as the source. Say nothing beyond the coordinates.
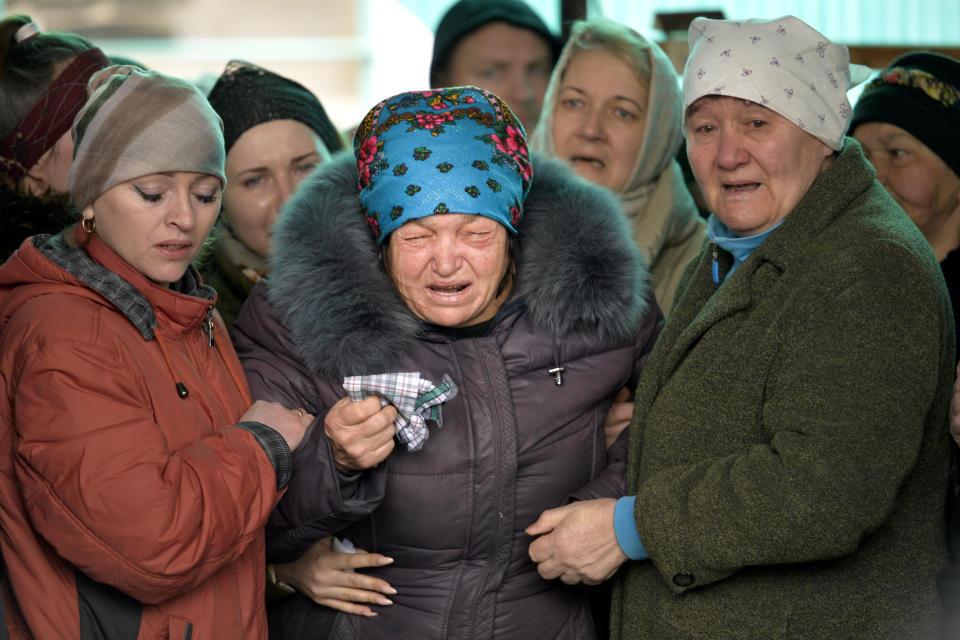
(451, 220)
(705, 102)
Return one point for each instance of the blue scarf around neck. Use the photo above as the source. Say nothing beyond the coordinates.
(740, 247)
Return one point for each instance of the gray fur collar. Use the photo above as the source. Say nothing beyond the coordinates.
(578, 269)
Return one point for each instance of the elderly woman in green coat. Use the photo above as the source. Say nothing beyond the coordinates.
(789, 446)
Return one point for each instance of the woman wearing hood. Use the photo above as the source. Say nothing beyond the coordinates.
(613, 111)
(459, 319)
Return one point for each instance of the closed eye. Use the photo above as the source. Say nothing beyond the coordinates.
(149, 197)
(207, 198)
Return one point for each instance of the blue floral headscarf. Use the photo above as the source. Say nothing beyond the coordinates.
(455, 150)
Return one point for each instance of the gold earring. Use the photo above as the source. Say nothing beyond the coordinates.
(88, 224)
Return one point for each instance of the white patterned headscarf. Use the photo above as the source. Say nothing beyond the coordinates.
(783, 64)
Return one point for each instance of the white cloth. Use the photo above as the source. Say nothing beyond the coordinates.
(783, 64)
(26, 32)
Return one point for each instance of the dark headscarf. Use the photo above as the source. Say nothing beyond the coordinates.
(246, 95)
(466, 16)
(920, 93)
(51, 116)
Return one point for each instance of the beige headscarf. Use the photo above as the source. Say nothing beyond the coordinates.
(667, 227)
(138, 122)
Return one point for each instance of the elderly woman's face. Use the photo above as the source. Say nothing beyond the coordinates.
(264, 167)
(448, 267)
(916, 177)
(753, 164)
(600, 117)
(158, 222)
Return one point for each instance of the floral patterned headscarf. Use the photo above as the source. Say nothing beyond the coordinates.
(454, 150)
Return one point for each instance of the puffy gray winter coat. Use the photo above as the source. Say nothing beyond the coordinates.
(513, 442)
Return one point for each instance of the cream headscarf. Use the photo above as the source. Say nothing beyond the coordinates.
(655, 197)
(784, 64)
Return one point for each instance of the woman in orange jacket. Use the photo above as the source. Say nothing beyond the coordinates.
(135, 476)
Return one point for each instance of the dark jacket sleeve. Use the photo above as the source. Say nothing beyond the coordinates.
(611, 481)
(320, 500)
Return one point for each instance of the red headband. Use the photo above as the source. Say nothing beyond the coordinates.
(51, 116)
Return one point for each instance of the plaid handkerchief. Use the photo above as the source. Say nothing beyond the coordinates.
(416, 399)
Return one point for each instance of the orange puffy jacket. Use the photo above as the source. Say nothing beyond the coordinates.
(126, 510)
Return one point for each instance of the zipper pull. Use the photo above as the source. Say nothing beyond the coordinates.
(557, 373)
(210, 326)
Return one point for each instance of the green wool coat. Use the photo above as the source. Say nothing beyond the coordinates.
(789, 445)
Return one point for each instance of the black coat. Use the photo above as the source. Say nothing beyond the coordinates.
(25, 215)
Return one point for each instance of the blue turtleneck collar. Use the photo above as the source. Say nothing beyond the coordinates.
(740, 247)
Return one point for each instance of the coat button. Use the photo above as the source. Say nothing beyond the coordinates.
(683, 579)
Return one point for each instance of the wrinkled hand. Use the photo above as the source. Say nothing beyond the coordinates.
(618, 417)
(323, 575)
(955, 410)
(577, 542)
(360, 433)
(289, 423)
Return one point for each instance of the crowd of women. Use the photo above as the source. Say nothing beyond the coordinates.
(442, 383)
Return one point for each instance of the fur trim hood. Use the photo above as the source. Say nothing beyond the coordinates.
(577, 269)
